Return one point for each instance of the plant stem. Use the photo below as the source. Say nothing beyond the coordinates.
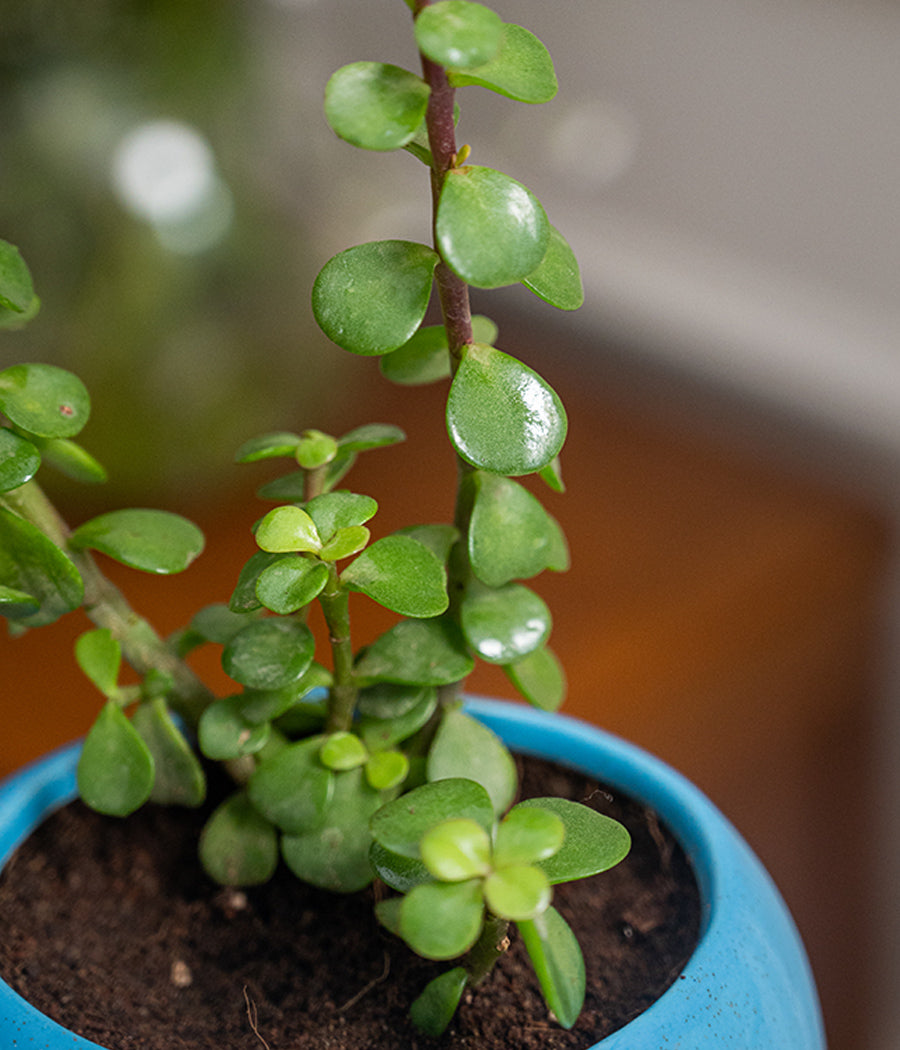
(335, 603)
(106, 606)
(492, 943)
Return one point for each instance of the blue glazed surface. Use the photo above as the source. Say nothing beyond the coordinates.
(748, 984)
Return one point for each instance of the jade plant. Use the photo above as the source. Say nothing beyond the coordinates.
(352, 766)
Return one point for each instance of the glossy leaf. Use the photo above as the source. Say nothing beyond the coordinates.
(439, 539)
(369, 299)
(293, 789)
(72, 460)
(370, 436)
(179, 779)
(517, 892)
(30, 564)
(244, 598)
(380, 733)
(269, 654)
(16, 288)
(464, 747)
(374, 105)
(558, 963)
(238, 847)
(336, 855)
(338, 510)
(442, 920)
(224, 733)
(44, 400)
(342, 750)
(425, 358)
(290, 583)
(492, 231)
(400, 574)
(458, 33)
(315, 450)
(433, 1010)
(511, 536)
(540, 678)
(557, 280)
(19, 460)
(400, 824)
(456, 849)
(386, 769)
(262, 705)
(551, 475)
(528, 834)
(399, 872)
(501, 415)
(522, 69)
(386, 701)
(99, 655)
(417, 652)
(115, 768)
(345, 543)
(150, 540)
(16, 605)
(268, 446)
(287, 529)
(593, 841)
(502, 625)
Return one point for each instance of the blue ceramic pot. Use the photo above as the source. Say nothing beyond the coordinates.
(747, 985)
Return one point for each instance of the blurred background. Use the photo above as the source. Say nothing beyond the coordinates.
(727, 174)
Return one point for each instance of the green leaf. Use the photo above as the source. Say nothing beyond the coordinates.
(511, 536)
(374, 105)
(32, 565)
(287, 529)
(179, 779)
(381, 733)
(433, 1010)
(336, 855)
(370, 436)
(369, 299)
(244, 599)
(442, 920)
(150, 540)
(456, 849)
(386, 701)
(19, 460)
(293, 789)
(528, 834)
(16, 605)
(400, 574)
(417, 652)
(16, 288)
(439, 539)
(44, 400)
(224, 733)
(463, 747)
(458, 34)
(238, 847)
(425, 357)
(115, 768)
(539, 677)
(502, 625)
(517, 892)
(290, 583)
(217, 623)
(399, 872)
(269, 654)
(558, 963)
(345, 542)
(316, 449)
(557, 280)
(551, 475)
(262, 705)
(491, 230)
(99, 655)
(338, 510)
(501, 415)
(400, 824)
(289, 488)
(268, 446)
(522, 69)
(343, 750)
(593, 841)
(386, 769)
(72, 460)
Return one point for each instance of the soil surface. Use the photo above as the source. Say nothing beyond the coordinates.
(111, 928)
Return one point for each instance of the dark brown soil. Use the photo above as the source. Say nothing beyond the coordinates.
(111, 928)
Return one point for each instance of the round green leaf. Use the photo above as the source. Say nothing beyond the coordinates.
(528, 834)
(16, 288)
(268, 446)
(269, 654)
(458, 33)
(343, 750)
(369, 436)
(387, 769)
(456, 849)
(511, 536)
(224, 733)
(72, 460)
(99, 655)
(433, 1010)
(374, 105)
(19, 460)
(292, 788)
(464, 747)
(442, 920)
(179, 779)
(505, 624)
(381, 733)
(338, 510)
(150, 540)
(539, 677)
(522, 69)
(417, 652)
(517, 892)
(287, 529)
(238, 847)
(315, 449)
(243, 598)
(346, 541)
(501, 415)
(115, 768)
(558, 963)
(425, 358)
(438, 538)
(402, 575)
(33, 566)
(593, 841)
(491, 230)
(290, 583)
(557, 280)
(398, 872)
(369, 299)
(44, 400)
